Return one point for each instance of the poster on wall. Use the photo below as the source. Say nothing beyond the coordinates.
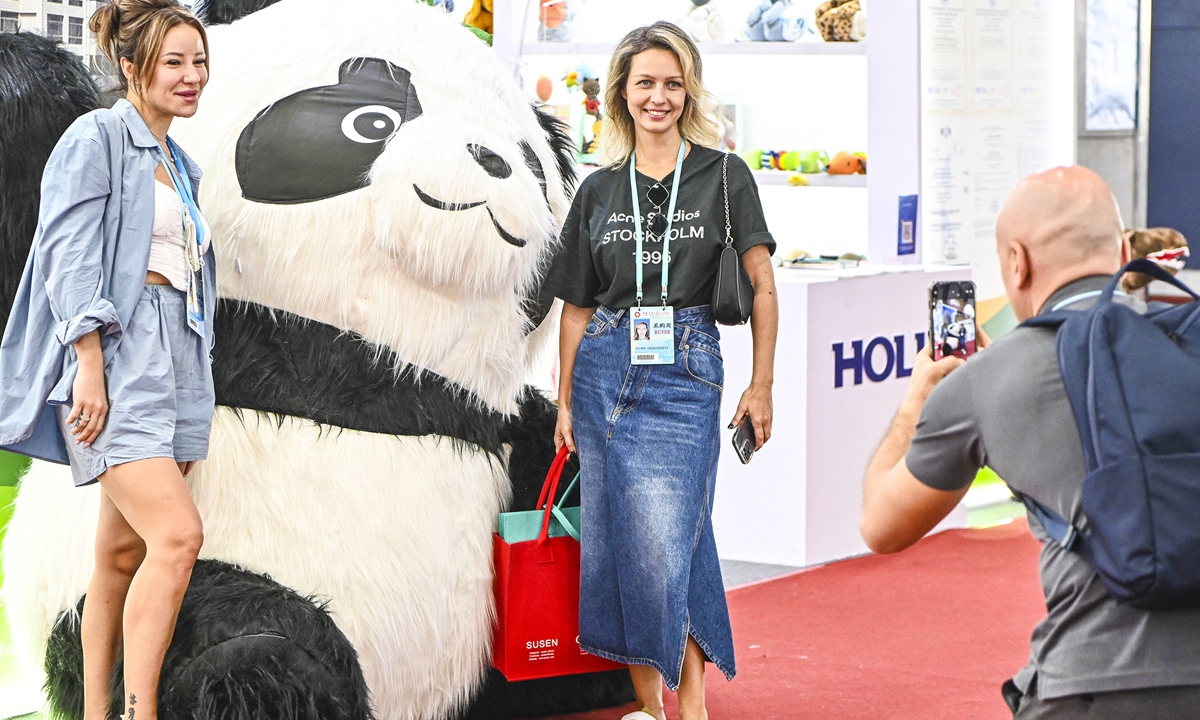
(1111, 87)
(997, 103)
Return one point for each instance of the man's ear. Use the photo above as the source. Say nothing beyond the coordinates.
(1022, 275)
(1126, 250)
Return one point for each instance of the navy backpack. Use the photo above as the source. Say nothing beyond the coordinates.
(1134, 385)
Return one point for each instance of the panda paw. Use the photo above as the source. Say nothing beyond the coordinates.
(245, 647)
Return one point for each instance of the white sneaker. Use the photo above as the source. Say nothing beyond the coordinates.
(639, 715)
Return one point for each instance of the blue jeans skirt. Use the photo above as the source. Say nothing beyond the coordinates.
(160, 391)
(648, 439)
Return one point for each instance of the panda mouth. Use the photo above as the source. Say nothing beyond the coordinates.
(433, 202)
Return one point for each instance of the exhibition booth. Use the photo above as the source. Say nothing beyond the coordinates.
(883, 142)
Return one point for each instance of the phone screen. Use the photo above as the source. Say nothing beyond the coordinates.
(952, 319)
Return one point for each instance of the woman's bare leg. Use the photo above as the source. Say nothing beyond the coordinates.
(648, 685)
(119, 553)
(691, 684)
(154, 500)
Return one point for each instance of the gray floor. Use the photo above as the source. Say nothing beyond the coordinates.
(736, 572)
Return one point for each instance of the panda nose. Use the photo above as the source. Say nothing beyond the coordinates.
(492, 163)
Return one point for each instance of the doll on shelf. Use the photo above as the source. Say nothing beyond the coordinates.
(554, 21)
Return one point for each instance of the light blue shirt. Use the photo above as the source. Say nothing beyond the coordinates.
(85, 272)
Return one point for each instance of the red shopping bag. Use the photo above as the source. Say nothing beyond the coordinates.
(537, 600)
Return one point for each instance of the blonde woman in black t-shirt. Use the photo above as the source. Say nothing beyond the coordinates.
(642, 411)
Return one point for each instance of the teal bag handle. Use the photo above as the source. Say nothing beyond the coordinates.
(562, 517)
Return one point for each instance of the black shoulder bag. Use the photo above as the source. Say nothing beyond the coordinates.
(733, 295)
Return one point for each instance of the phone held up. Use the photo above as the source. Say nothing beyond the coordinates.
(952, 319)
(743, 439)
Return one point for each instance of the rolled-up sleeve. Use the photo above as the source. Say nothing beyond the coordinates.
(69, 248)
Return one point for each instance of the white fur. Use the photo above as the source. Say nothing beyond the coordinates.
(394, 532)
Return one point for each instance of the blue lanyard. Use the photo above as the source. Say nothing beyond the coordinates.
(637, 220)
(184, 190)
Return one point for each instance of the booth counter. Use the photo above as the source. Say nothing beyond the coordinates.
(847, 342)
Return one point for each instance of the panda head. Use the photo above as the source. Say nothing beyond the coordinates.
(372, 166)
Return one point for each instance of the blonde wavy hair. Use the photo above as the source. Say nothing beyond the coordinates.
(698, 123)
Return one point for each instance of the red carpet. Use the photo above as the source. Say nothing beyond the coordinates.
(928, 634)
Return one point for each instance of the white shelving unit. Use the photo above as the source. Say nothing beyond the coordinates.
(709, 48)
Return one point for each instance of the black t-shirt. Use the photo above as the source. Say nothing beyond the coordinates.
(596, 264)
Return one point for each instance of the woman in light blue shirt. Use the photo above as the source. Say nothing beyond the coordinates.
(105, 360)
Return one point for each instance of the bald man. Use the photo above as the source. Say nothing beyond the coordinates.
(1059, 238)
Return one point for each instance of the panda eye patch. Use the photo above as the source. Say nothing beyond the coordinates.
(321, 142)
(370, 123)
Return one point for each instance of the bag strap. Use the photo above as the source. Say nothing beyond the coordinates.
(725, 188)
(552, 477)
(1147, 267)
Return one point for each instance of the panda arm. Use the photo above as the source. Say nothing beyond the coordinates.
(69, 248)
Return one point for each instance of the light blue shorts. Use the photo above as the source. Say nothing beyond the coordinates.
(160, 391)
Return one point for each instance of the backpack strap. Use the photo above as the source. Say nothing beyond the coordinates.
(1154, 270)
(1055, 527)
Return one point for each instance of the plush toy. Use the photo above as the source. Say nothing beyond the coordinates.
(1165, 246)
(380, 310)
(858, 26)
(766, 22)
(845, 163)
(480, 16)
(804, 161)
(704, 22)
(544, 88)
(835, 19)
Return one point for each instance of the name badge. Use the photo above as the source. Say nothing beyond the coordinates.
(652, 335)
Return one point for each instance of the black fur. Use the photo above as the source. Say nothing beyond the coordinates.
(223, 12)
(245, 648)
(276, 362)
(558, 135)
(43, 89)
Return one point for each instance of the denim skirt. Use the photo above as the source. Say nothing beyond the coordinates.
(648, 439)
(160, 391)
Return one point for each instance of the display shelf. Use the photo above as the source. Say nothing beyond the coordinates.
(776, 177)
(780, 177)
(709, 48)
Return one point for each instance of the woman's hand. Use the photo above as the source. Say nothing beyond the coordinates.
(756, 402)
(564, 434)
(88, 393)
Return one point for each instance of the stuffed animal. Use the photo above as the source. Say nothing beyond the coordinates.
(380, 310)
(1166, 246)
(480, 16)
(845, 163)
(766, 21)
(805, 161)
(835, 19)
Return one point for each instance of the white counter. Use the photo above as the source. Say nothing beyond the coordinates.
(798, 501)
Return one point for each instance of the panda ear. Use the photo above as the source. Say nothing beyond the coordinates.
(557, 134)
(223, 12)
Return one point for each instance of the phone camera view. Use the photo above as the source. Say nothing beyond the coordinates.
(953, 319)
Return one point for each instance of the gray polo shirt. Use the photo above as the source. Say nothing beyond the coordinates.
(1007, 408)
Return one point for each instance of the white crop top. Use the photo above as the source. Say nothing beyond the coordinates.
(167, 252)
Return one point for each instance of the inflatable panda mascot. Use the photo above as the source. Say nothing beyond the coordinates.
(384, 199)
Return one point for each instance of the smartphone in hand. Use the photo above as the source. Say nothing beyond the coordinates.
(743, 439)
(952, 319)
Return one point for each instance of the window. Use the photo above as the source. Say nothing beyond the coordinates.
(9, 21)
(75, 31)
(54, 29)
(55, 1)
(76, 3)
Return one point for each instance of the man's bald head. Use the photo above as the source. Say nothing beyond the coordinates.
(1067, 224)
